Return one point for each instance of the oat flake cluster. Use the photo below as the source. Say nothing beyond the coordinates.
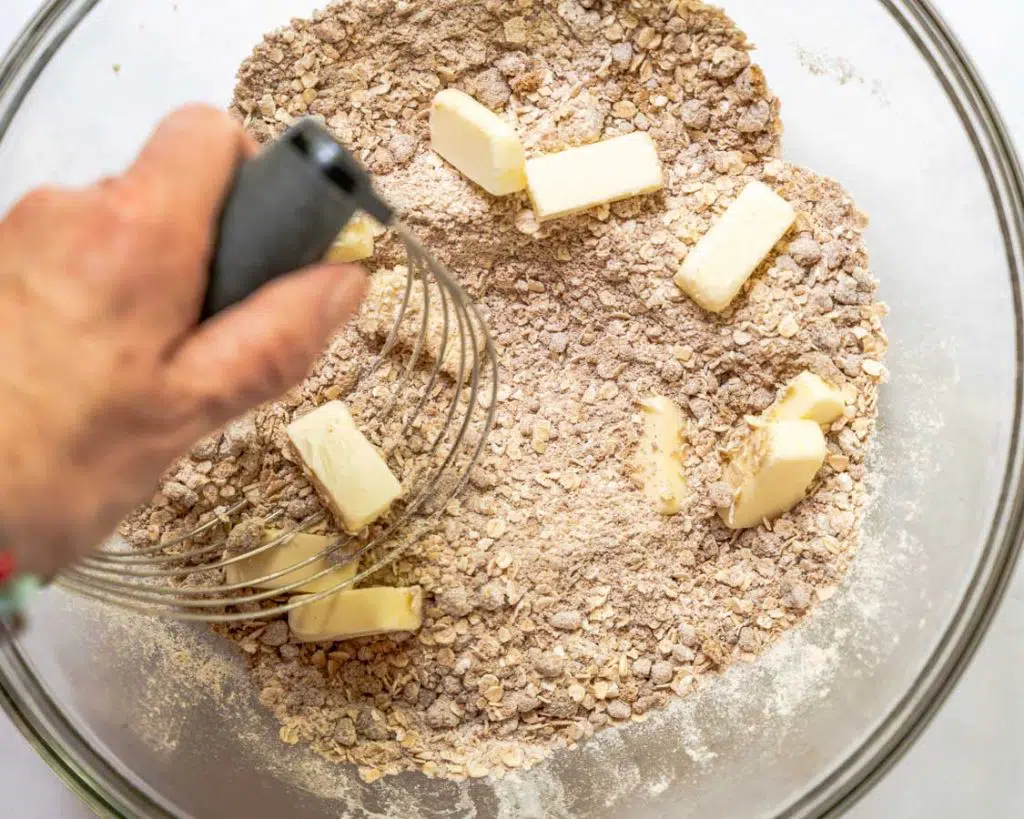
(559, 603)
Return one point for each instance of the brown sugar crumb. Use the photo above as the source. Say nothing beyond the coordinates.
(558, 602)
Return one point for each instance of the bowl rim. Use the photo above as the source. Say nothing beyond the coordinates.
(113, 792)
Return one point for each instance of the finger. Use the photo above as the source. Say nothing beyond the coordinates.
(180, 181)
(258, 349)
(191, 160)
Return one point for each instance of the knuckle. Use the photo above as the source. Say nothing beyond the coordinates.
(119, 216)
(198, 111)
(215, 406)
(145, 215)
(255, 372)
(281, 367)
(123, 207)
(45, 198)
(282, 360)
(187, 402)
(206, 118)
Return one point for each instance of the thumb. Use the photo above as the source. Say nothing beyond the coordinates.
(261, 347)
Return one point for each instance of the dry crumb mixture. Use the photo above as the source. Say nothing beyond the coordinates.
(558, 601)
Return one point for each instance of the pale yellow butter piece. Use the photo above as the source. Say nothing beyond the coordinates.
(726, 256)
(661, 454)
(350, 473)
(353, 613)
(581, 178)
(810, 398)
(298, 548)
(772, 471)
(355, 242)
(478, 142)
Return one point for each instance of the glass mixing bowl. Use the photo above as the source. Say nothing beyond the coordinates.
(145, 718)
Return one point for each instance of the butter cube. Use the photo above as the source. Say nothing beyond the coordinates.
(355, 242)
(810, 398)
(661, 454)
(772, 471)
(478, 142)
(298, 548)
(717, 268)
(350, 474)
(581, 178)
(353, 613)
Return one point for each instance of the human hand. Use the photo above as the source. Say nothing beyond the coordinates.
(105, 375)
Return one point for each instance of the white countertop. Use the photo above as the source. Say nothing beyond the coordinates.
(970, 761)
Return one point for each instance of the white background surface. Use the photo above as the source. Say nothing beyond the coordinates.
(970, 762)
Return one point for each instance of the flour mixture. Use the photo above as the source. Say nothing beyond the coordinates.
(559, 603)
